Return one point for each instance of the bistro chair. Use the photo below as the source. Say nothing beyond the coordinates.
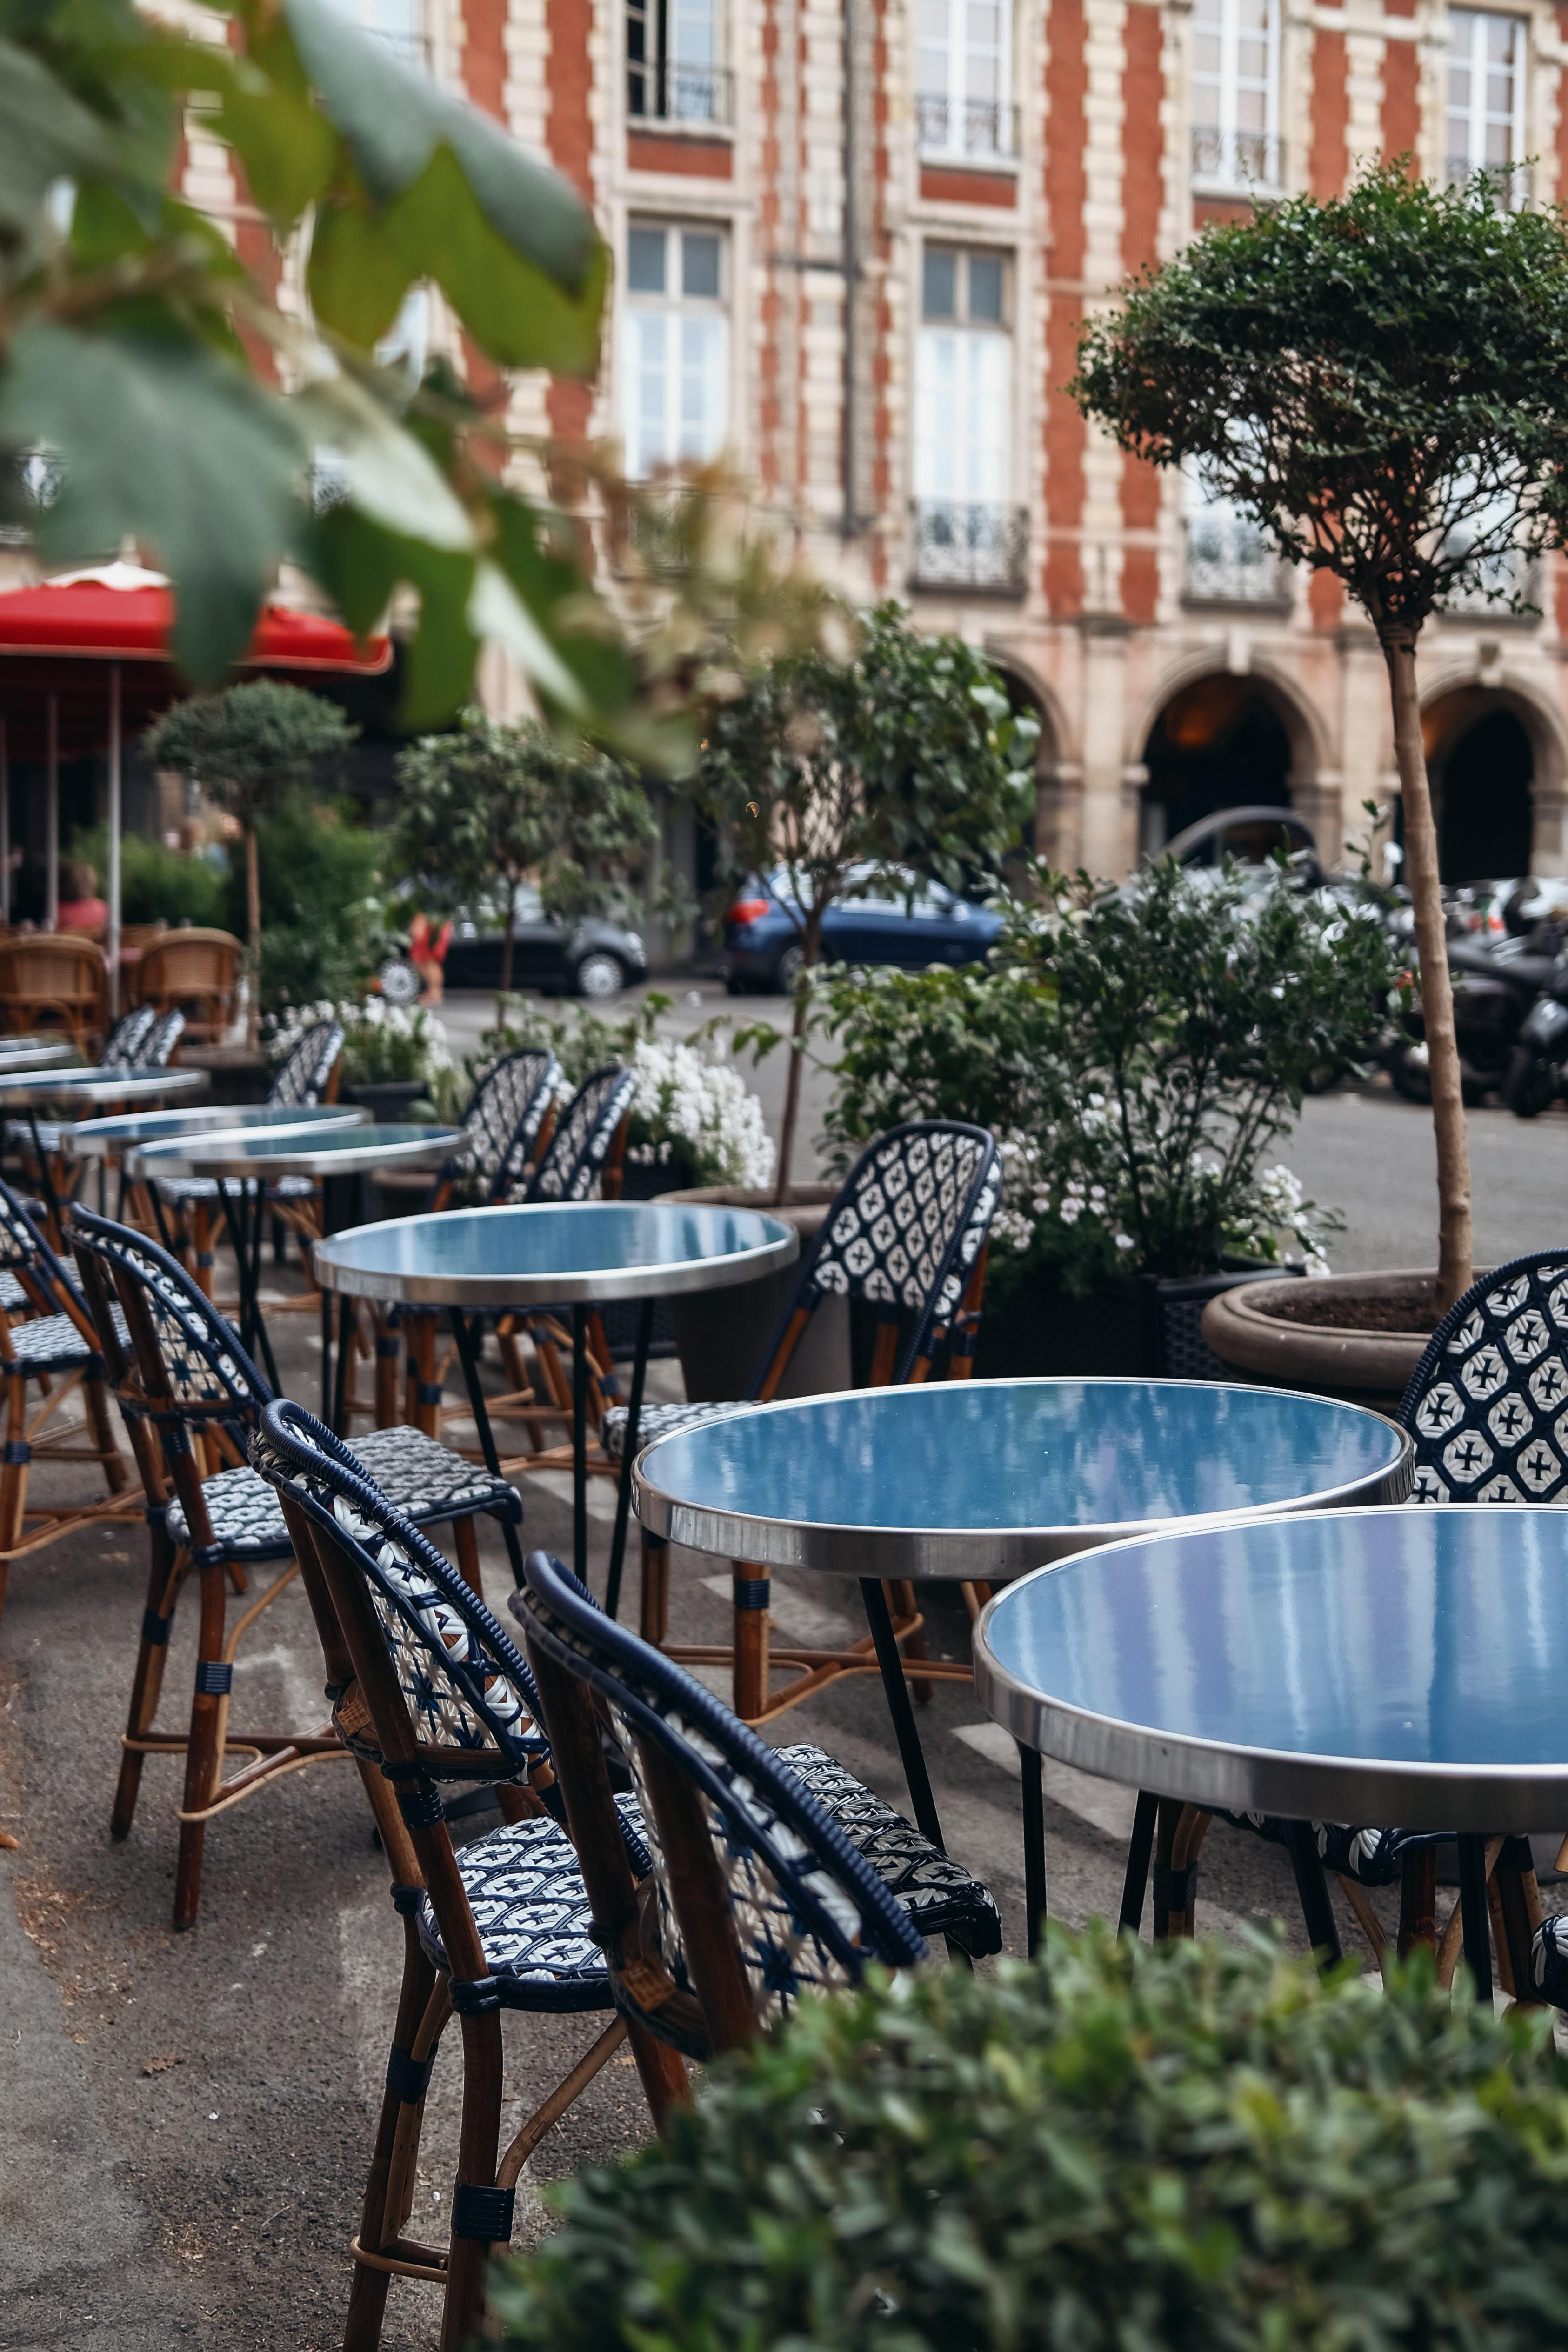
(140, 1042)
(1488, 1409)
(428, 1692)
(51, 980)
(907, 1233)
(58, 1349)
(197, 971)
(191, 1397)
(308, 1075)
(776, 1872)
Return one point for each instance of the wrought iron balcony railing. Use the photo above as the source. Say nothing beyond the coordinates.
(976, 130)
(677, 93)
(1238, 159)
(958, 544)
(1230, 562)
(1517, 188)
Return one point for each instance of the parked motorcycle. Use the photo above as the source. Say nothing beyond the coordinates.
(1494, 987)
(1538, 1068)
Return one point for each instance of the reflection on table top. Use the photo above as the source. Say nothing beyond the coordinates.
(323, 1152)
(1391, 1667)
(560, 1253)
(88, 1084)
(95, 1137)
(988, 1478)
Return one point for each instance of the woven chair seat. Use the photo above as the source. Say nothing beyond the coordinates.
(51, 1343)
(525, 1889)
(204, 1188)
(940, 1896)
(1372, 1857)
(19, 1135)
(1549, 1959)
(14, 1300)
(424, 1480)
(657, 1421)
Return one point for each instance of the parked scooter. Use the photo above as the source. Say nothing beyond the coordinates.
(1495, 988)
(1537, 1070)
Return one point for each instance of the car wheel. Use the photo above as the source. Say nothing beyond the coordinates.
(599, 976)
(788, 969)
(1532, 1083)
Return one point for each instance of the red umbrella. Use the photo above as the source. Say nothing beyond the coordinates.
(120, 618)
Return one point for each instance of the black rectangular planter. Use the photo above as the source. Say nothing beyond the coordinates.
(1133, 1327)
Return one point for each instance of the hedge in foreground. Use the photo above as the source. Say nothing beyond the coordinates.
(1182, 2148)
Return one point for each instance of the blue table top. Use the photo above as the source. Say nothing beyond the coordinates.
(100, 1083)
(551, 1253)
(988, 1478)
(296, 1151)
(97, 1136)
(1396, 1667)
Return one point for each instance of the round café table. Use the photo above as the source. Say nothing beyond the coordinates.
(81, 1087)
(511, 1259)
(33, 1053)
(243, 1164)
(1396, 1669)
(982, 1480)
(104, 1139)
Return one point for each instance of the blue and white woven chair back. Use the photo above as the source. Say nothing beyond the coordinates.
(156, 1048)
(809, 1911)
(471, 1699)
(207, 1367)
(908, 1225)
(1488, 1403)
(583, 1134)
(120, 1045)
(24, 1250)
(300, 1079)
(501, 1127)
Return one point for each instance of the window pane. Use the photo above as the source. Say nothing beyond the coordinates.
(984, 29)
(1205, 56)
(700, 266)
(941, 276)
(648, 393)
(985, 287)
(644, 260)
(693, 33)
(933, 22)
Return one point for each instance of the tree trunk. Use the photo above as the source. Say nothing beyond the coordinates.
(1455, 1272)
(253, 936)
(505, 988)
(809, 940)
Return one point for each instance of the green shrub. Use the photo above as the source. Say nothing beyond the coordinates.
(1178, 2149)
(158, 884)
(321, 929)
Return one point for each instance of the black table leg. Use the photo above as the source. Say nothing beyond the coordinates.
(469, 1356)
(329, 1413)
(339, 1417)
(102, 1180)
(628, 1455)
(580, 1443)
(164, 1233)
(253, 1332)
(1033, 1766)
(1477, 1913)
(1322, 1930)
(1140, 1845)
(899, 1706)
(48, 1181)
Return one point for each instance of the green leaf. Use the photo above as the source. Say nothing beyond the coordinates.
(358, 273)
(289, 151)
(362, 565)
(168, 443)
(46, 135)
(389, 473)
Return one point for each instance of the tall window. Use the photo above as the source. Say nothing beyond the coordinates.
(676, 347)
(1486, 92)
(966, 532)
(963, 77)
(1236, 92)
(675, 67)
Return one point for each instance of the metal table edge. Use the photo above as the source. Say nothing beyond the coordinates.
(664, 1281)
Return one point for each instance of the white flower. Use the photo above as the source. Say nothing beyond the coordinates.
(1071, 1209)
(1126, 1242)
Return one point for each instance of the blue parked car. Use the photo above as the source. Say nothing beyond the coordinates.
(761, 942)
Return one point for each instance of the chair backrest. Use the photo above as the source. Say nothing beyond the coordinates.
(761, 1896)
(189, 1360)
(156, 1048)
(194, 968)
(123, 1040)
(585, 1131)
(905, 1233)
(62, 965)
(1488, 1403)
(303, 1075)
(501, 1124)
(450, 1695)
(25, 1252)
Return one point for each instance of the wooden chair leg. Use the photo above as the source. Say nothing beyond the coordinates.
(204, 1755)
(422, 1367)
(750, 1671)
(653, 1623)
(164, 1579)
(1418, 1901)
(465, 1543)
(397, 2137)
(478, 2145)
(1170, 1815)
(95, 1396)
(388, 1350)
(662, 2073)
(202, 1251)
(14, 1470)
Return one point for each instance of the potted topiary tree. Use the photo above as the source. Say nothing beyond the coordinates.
(1381, 381)
(1183, 2147)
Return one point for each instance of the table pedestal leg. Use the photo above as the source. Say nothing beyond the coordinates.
(1034, 1845)
(1135, 1886)
(1477, 1913)
(628, 1455)
(469, 1356)
(341, 1381)
(253, 1333)
(916, 1778)
(580, 1443)
(328, 1405)
(1322, 1930)
(57, 1231)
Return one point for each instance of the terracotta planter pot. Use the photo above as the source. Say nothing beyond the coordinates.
(720, 1335)
(1361, 1365)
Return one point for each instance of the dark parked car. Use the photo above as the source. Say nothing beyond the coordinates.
(592, 958)
(762, 941)
(1253, 836)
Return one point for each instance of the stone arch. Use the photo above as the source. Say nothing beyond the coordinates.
(1497, 754)
(1215, 735)
(1058, 776)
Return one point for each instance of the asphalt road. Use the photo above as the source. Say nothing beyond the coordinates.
(186, 2117)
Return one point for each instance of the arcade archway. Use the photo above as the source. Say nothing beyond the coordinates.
(1219, 742)
(1482, 763)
